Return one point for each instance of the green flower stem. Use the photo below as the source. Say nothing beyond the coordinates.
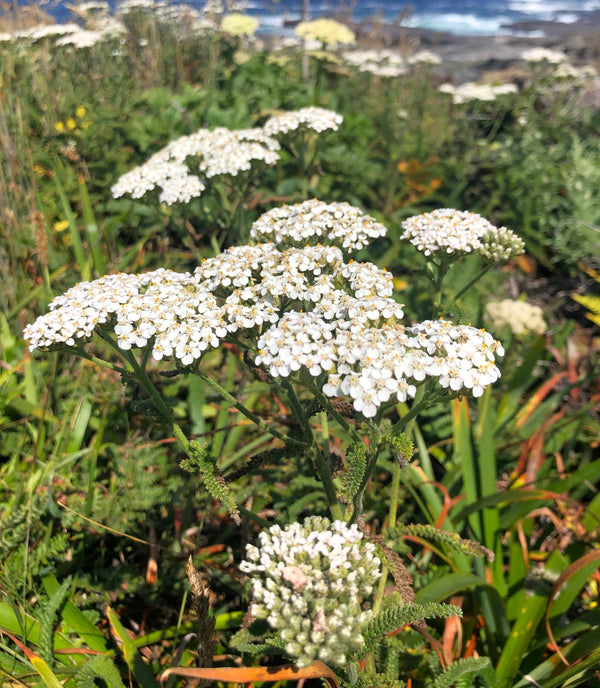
(323, 469)
(98, 361)
(422, 399)
(471, 282)
(326, 404)
(242, 409)
(158, 401)
(442, 269)
(331, 492)
(298, 411)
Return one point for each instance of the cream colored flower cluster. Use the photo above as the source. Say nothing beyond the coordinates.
(237, 24)
(316, 118)
(455, 232)
(327, 31)
(521, 317)
(220, 151)
(472, 91)
(311, 222)
(310, 582)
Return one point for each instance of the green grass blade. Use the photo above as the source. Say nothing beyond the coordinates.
(91, 227)
(80, 256)
(487, 470)
(464, 454)
(140, 670)
(442, 588)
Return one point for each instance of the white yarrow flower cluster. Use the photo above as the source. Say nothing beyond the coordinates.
(309, 313)
(384, 63)
(544, 55)
(315, 118)
(367, 355)
(310, 582)
(337, 224)
(454, 232)
(473, 91)
(220, 151)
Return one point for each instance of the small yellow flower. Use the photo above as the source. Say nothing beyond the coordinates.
(80, 112)
(59, 126)
(42, 171)
(84, 125)
(71, 123)
(60, 226)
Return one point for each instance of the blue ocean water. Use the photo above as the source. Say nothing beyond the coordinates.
(461, 17)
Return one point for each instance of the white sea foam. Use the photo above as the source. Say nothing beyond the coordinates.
(461, 24)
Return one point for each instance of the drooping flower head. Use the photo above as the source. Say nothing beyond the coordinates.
(452, 232)
(311, 222)
(310, 582)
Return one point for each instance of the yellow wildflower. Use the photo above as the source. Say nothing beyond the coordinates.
(80, 112)
(327, 31)
(60, 226)
(71, 123)
(59, 126)
(237, 24)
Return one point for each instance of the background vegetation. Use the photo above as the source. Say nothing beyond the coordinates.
(97, 519)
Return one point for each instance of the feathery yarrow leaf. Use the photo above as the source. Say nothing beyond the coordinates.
(202, 462)
(46, 615)
(452, 540)
(356, 465)
(396, 617)
(459, 668)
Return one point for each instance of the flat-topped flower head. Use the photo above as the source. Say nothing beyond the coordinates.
(362, 351)
(215, 152)
(470, 90)
(544, 55)
(333, 224)
(521, 317)
(237, 24)
(314, 118)
(181, 315)
(327, 31)
(310, 582)
(457, 232)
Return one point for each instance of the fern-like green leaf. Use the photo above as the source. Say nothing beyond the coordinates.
(46, 616)
(245, 642)
(201, 461)
(98, 667)
(401, 615)
(458, 669)
(356, 464)
(451, 540)
(403, 447)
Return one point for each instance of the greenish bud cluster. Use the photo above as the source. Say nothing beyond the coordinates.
(310, 582)
(501, 244)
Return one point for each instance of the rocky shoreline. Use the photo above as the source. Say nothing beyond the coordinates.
(467, 57)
